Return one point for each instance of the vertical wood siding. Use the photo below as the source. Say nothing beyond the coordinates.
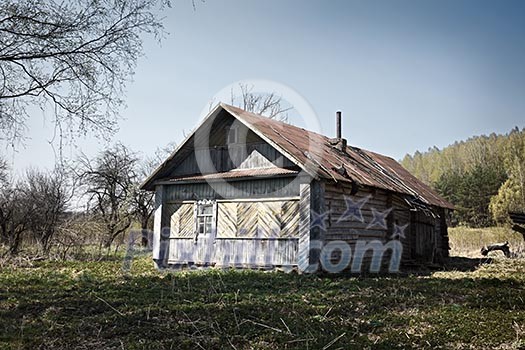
(226, 158)
(263, 188)
(158, 224)
(235, 252)
(303, 254)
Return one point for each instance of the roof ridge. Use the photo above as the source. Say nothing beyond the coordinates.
(266, 119)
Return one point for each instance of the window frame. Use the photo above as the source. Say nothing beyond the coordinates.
(205, 221)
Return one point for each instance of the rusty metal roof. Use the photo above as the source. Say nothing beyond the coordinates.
(316, 154)
(237, 174)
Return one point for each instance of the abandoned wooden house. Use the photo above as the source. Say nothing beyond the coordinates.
(247, 191)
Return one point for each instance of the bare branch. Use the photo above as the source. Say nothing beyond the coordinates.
(268, 104)
(78, 56)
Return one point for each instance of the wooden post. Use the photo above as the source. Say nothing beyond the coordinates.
(303, 253)
(159, 247)
(310, 239)
(317, 204)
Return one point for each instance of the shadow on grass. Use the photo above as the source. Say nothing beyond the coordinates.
(94, 305)
(214, 309)
(450, 264)
(464, 264)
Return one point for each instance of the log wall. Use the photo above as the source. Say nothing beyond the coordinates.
(425, 238)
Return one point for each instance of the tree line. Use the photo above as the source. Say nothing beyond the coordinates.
(484, 176)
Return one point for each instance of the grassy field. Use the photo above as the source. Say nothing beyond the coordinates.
(466, 241)
(97, 305)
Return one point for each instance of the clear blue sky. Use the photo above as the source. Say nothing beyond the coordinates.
(407, 75)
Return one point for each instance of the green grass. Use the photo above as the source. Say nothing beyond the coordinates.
(95, 305)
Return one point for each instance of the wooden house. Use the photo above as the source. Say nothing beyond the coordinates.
(247, 191)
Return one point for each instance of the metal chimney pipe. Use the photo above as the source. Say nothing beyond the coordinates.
(338, 124)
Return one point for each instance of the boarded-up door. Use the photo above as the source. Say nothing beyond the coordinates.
(182, 233)
(263, 219)
(425, 237)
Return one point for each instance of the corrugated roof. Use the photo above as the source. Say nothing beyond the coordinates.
(316, 154)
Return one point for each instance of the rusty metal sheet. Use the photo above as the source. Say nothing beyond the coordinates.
(234, 174)
(316, 153)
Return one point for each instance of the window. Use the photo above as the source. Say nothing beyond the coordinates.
(233, 135)
(204, 218)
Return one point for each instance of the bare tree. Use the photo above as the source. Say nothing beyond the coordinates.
(47, 197)
(32, 207)
(268, 104)
(75, 56)
(110, 181)
(13, 217)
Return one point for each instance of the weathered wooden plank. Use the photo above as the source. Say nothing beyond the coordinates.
(256, 252)
(330, 196)
(182, 250)
(227, 219)
(354, 235)
(340, 206)
(258, 219)
(355, 231)
(159, 254)
(182, 220)
(226, 158)
(268, 199)
(303, 253)
(332, 191)
(289, 219)
(247, 219)
(282, 187)
(269, 219)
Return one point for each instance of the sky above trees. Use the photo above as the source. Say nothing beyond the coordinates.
(407, 75)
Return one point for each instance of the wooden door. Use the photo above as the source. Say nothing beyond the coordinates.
(425, 235)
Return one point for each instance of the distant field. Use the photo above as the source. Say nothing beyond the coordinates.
(94, 305)
(465, 241)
